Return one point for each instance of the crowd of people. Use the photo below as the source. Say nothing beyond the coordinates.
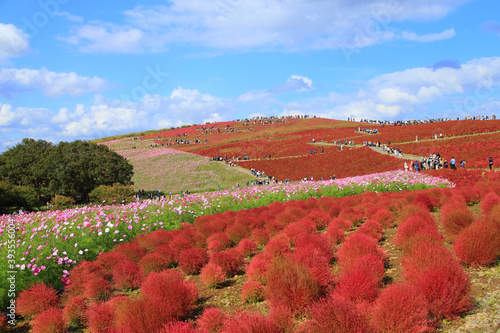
(421, 121)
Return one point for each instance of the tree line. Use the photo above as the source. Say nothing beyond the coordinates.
(35, 171)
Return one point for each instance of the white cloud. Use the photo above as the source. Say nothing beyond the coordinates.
(70, 17)
(52, 84)
(447, 34)
(13, 42)
(263, 24)
(6, 115)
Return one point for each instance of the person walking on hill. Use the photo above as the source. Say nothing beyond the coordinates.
(406, 166)
(490, 162)
(452, 163)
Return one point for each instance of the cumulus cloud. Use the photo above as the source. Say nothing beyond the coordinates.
(263, 24)
(52, 84)
(13, 42)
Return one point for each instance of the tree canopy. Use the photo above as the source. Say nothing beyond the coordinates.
(69, 168)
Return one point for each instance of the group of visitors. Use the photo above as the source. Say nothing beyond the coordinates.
(366, 130)
(421, 121)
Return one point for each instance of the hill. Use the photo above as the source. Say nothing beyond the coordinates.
(296, 148)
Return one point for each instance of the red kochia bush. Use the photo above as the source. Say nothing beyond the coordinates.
(423, 255)
(290, 284)
(107, 261)
(192, 260)
(277, 247)
(401, 308)
(132, 251)
(360, 283)
(212, 320)
(142, 315)
(447, 290)
(154, 262)
(333, 235)
(335, 314)
(223, 240)
(479, 244)
(253, 292)
(97, 289)
(260, 236)
(257, 269)
(246, 247)
(150, 241)
(127, 275)
(74, 311)
(236, 233)
(37, 298)
(168, 288)
(229, 261)
(80, 274)
(371, 228)
(455, 220)
(168, 254)
(385, 217)
(356, 246)
(212, 275)
(319, 218)
(244, 322)
(429, 202)
(178, 327)
(49, 321)
(414, 227)
(100, 318)
(489, 201)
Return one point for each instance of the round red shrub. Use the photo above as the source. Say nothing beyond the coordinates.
(277, 247)
(292, 231)
(107, 261)
(100, 318)
(358, 284)
(169, 255)
(401, 308)
(334, 235)
(221, 237)
(283, 317)
(352, 214)
(212, 275)
(356, 246)
(246, 247)
(150, 241)
(168, 288)
(447, 290)
(385, 217)
(154, 262)
(478, 244)
(319, 218)
(74, 311)
(335, 314)
(80, 274)
(341, 224)
(257, 269)
(97, 289)
(236, 233)
(132, 251)
(36, 299)
(371, 228)
(212, 320)
(253, 292)
(489, 201)
(244, 322)
(273, 227)
(428, 202)
(424, 255)
(413, 210)
(454, 221)
(210, 224)
(290, 284)
(412, 227)
(191, 261)
(260, 236)
(49, 321)
(229, 261)
(127, 275)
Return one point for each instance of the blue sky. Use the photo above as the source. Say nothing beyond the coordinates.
(83, 70)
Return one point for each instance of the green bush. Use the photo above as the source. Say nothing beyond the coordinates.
(117, 193)
(13, 198)
(61, 202)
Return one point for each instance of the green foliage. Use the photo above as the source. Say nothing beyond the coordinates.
(60, 202)
(110, 194)
(13, 198)
(72, 169)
